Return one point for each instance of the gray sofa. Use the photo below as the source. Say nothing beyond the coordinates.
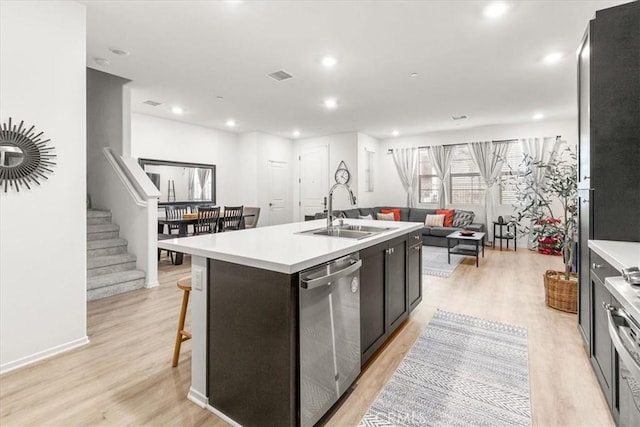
(431, 236)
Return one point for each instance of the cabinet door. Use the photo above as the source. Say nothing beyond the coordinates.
(373, 329)
(584, 183)
(414, 275)
(397, 298)
(601, 357)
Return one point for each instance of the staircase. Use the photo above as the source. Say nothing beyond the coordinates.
(110, 269)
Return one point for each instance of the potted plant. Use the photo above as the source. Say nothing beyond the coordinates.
(552, 234)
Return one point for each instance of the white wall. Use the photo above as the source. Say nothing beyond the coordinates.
(367, 143)
(342, 147)
(391, 191)
(156, 138)
(43, 230)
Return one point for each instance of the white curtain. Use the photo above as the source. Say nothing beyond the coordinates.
(441, 158)
(203, 174)
(191, 173)
(406, 161)
(543, 150)
(489, 157)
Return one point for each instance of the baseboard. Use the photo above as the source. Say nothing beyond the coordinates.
(202, 401)
(150, 285)
(197, 398)
(24, 361)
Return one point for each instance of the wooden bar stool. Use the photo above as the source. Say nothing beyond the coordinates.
(182, 335)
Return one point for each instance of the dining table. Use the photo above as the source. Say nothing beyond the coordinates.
(183, 228)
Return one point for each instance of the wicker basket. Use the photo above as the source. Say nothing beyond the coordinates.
(559, 293)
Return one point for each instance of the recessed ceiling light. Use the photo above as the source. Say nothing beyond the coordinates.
(329, 61)
(331, 103)
(120, 52)
(103, 62)
(177, 110)
(231, 123)
(496, 9)
(295, 133)
(219, 98)
(395, 132)
(414, 75)
(553, 58)
(538, 116)
(460, 117)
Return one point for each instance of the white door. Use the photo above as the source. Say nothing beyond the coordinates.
(278, 184)
(314, 179)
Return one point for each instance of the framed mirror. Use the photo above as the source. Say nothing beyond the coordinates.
(180, 182)
(25, 158)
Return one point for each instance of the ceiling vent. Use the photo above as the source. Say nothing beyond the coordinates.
(152, 103)
(462, 117)
(280, 75)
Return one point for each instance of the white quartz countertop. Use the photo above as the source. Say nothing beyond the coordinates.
(621, 255)
(279, 247)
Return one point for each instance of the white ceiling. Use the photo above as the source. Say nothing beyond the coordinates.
(187, 53)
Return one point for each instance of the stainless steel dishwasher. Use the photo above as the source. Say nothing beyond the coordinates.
(329, 334)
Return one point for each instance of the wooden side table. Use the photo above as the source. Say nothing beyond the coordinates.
(510, 235)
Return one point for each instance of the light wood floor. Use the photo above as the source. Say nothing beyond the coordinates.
(124, 376)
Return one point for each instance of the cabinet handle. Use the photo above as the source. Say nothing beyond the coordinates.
(586, 177)
(585, 200)
(596, 266)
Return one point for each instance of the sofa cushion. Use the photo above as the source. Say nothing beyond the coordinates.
(463, 218)
(365, 216)
(434, 221)
(385, 216)
(448, 216)
(352, 213)
(442, 231)
(367, 211)
(394, 211)
(419, 215)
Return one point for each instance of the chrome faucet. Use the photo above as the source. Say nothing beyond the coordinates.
(352, 199)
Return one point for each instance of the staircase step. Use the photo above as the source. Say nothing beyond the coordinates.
(119, 288)
(111, 279)
(106, 264)
(102, 231)
(97, 213)
(106, 247)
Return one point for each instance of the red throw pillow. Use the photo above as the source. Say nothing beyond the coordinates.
(395, 212)
(448, 216)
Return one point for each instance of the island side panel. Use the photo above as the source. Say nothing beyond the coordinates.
(252, 344)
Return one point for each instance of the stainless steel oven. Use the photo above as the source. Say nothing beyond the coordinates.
(625, 335)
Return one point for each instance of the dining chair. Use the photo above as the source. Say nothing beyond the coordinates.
(174, 212)
(251, 216)
(232, 218)
(207, 220)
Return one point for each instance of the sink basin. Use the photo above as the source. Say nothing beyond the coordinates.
(341, 232)
(347, 231)
(364, 228)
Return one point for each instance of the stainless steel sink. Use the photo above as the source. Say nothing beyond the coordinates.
(364, 228)
(340, 232)
(347, 231)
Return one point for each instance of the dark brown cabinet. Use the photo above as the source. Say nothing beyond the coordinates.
(396, 283)
(373, 326)
(414, 271)
(389, 277)
(608, 141)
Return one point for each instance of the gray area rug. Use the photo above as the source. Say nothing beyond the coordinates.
(434, 261)
(462, 371)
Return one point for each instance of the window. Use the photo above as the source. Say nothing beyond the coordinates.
(428, 181)
(467, 186)
(510, 167)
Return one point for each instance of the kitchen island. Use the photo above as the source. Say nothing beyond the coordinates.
(246, 317)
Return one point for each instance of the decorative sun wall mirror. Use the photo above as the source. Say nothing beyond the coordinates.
(24, 156)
